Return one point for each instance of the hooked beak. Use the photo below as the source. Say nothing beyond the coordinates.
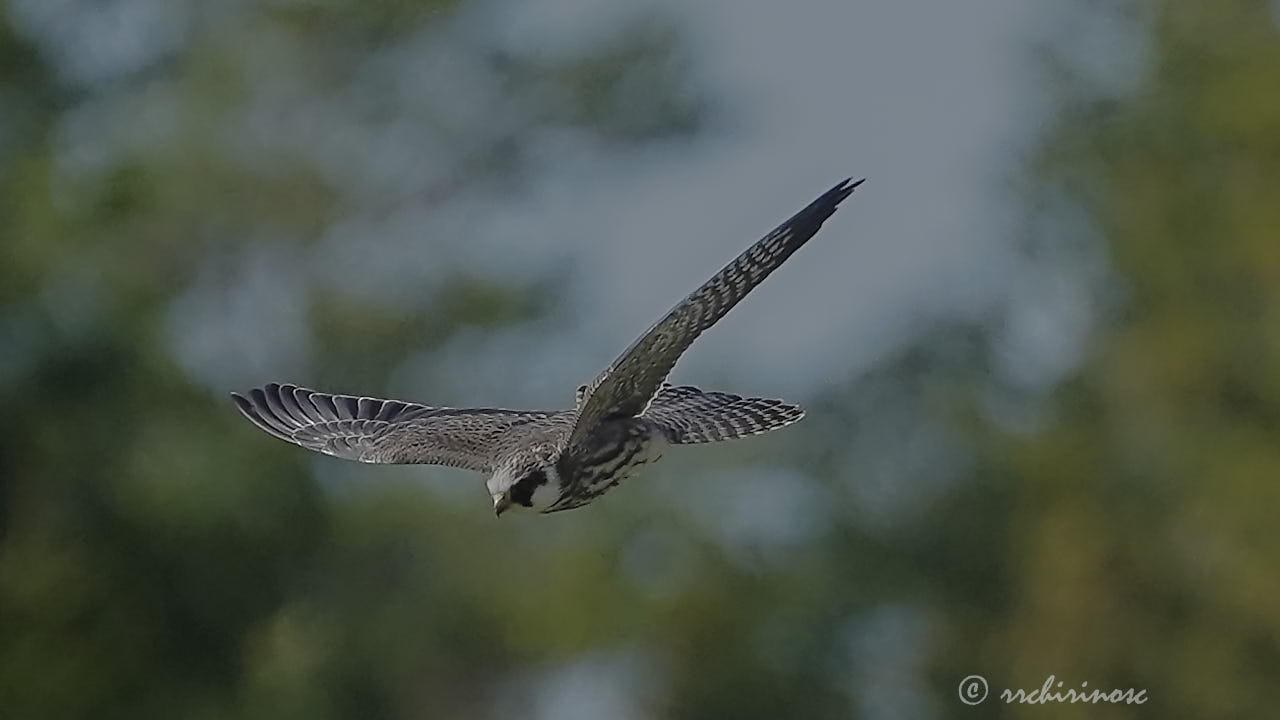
(501, 501)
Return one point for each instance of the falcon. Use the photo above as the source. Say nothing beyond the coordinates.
(551, 460)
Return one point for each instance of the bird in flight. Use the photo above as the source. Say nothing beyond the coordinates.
(561, 459)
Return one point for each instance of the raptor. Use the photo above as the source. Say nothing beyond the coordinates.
(551, 460)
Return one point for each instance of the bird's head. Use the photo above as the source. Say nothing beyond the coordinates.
(532, 487)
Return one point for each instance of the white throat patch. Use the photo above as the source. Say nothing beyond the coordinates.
(547, 493)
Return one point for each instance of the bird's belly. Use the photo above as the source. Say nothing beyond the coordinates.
(618, 456)
(649, 451)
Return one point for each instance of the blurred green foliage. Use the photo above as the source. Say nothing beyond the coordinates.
(160, 558)
(1144, 545)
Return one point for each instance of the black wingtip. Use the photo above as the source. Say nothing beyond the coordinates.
(833, 197)
(822, 208)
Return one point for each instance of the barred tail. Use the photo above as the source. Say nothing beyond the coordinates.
(688, 415)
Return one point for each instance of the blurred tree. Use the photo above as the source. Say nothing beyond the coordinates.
(158, 559)
(1141, 546)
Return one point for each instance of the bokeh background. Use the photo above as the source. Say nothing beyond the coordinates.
(1040, 350)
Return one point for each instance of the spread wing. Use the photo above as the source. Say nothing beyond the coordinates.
(687, 415)
(625, 387)
(371, 430)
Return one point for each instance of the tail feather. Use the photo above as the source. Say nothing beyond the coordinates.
(688, 415)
